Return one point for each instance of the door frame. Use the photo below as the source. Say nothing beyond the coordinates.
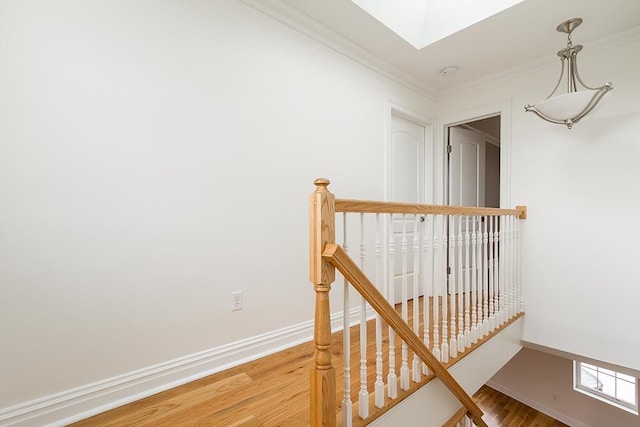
(394, 109)
(503, 109)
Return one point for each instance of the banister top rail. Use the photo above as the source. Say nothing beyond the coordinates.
(369, 206)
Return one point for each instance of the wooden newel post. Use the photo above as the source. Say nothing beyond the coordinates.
(322, 275)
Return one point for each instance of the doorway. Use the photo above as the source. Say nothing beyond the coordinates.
(502, 141)
(473, 163)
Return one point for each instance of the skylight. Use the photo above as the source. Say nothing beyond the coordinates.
(423, 22)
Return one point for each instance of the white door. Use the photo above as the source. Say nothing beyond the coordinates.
(466, 167)
(466, 178)
(407, 184)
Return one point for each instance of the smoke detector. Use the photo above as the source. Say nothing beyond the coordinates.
(449, 71)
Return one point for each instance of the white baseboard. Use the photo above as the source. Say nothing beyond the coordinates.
(535, 404)
(72, 405)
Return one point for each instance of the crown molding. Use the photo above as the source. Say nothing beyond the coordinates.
(304, 24)
(549, 61)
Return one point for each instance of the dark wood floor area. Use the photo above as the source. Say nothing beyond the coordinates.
(502, 411)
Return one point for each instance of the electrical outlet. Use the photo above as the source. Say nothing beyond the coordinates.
(236, 300)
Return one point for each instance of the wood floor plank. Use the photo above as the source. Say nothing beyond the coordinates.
(250, 421)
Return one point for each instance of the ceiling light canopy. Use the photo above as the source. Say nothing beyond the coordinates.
(569, 108)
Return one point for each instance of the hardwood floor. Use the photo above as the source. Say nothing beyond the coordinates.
(271, 391)
(502, 411)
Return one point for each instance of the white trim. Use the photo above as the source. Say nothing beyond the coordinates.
(605, 399)
(73, 405)
(602, 395)
(501, 108)
(299, 21)
(535, 405)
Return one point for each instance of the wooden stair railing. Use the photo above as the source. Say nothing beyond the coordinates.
(339, 259)
(326, 256)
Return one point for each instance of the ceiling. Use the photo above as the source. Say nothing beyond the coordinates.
(517, 36)
(489, 126)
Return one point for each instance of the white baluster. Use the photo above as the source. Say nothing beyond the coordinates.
(461, 282)
(519, 265)
(479, 276)
(474, 281)
(392, 378)
(467, 285)
(468, 422)
(427, 274)
(453, 345)
(516, 281)
(514, 262)
(501, 253)
(363, 395)
(485, 276)
(346, 340)
(379, 384)
(404, 368)
(445, 292)
(492, 308)
(509, 268)
(506, 250)
(416, 369)
(437, 264)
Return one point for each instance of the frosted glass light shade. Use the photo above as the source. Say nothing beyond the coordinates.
(566, 106)
(569, 108)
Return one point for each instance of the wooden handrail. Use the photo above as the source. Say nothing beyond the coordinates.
(336, 255)
(369, 206)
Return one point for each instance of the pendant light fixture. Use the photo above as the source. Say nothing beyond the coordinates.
(570, 107)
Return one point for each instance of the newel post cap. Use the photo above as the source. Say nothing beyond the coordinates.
(321, 183)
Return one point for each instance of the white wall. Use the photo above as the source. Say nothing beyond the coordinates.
(154, 157)
(545, 382)
(581, 189)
